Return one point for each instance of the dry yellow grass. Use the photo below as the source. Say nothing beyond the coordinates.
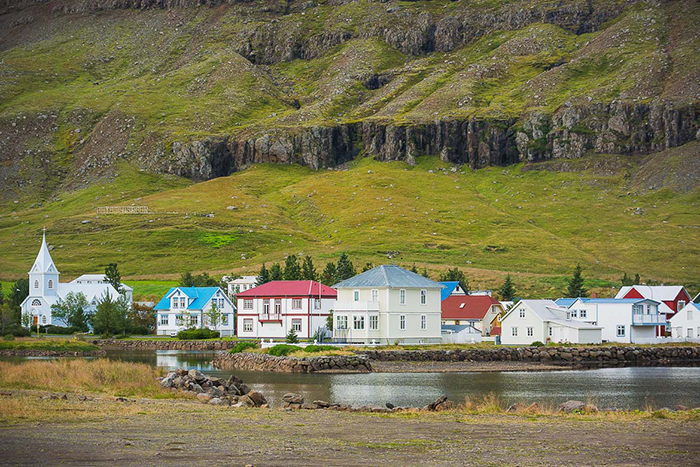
(97, 376)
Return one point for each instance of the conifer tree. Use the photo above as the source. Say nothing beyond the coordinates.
(308, 271)
(507, 290)
(263, 276)
(576, 288)
(344, 269)
(292, 271)
(276, 273)
(328, 274)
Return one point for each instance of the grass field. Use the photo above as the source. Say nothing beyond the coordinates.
(535, 224)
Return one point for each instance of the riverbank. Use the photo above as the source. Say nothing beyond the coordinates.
(253, 361)
(45, 347)
(165, 343)
(135, 432)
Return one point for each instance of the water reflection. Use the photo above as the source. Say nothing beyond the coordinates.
(630, 387)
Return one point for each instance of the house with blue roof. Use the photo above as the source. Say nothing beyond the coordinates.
(628, 320)
(685, 324)
(191, 307)
(451, 288)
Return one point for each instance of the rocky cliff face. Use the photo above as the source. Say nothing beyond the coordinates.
(570, 132)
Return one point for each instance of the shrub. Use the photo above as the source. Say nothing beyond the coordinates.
(319, 348)
(282, 350)
(8, 337)
(17, 331)
(292, 337)
(242, 346)
(204, 333)
(52, 329)
(537, 344)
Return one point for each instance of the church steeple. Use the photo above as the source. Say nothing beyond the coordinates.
(43, 277)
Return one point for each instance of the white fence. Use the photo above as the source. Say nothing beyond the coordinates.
(666, 340)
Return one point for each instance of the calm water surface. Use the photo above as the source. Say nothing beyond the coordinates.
(632, 387)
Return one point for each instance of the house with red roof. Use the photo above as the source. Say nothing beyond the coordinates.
(478, 311)
(271, 310)
(672, 298)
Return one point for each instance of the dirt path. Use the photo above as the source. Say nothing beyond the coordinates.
(104, 432)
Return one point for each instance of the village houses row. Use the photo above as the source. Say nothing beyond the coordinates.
(387, 305)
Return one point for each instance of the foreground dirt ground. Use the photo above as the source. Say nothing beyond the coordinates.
(103, 431)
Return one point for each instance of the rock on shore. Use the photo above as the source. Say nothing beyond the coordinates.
(213, 390)
(264, 362)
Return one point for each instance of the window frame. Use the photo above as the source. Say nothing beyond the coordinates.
(375, 295)
(402, 322)
(530, 331)
(402, 297)
(247, 303)
(296, 324)
(618, 328)
(373, 322)
(514, 331)
(521, 313)
(423, 322)
(296, 304)
(248, 325)
(423, 297)
(358, 322)
(165, 318)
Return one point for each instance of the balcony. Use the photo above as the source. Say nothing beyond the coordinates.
(267, 317)
(356, 306)
(648, 319)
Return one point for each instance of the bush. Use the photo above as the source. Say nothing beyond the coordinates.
(282, 350)
(17, 331)
(319, 348)
(51, 329)
(192, 334)
(8, 337)
(242, 346)
(537, 344)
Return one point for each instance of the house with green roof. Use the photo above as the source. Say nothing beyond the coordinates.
(387, 305)
(190, 307)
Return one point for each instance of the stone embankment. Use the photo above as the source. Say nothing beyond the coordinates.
(52, 353)
(264, 362)
(163, 344)
(552, 355)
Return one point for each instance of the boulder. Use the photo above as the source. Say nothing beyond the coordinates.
(204, 398)
(244, 389)
(436, 403)
(389, 405)
(571, 406)
(322, 404)
(246, 401)
(681, 407)
(196, 375)
(308, 406)
(215, 392)
(167, 382)
(257, 398)
(292, 398)
(217, 401)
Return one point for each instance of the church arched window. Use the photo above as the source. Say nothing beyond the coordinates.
(50, 284)
(36, 302)
(43, 319)
(36, 284)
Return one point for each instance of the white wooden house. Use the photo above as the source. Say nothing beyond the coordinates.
(271, 310)
(187, 307)
(686, 323)
(388, 305)
(544, 321)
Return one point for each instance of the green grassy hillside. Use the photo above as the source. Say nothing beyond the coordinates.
(535, 221)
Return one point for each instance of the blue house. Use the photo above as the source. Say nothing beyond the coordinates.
(451, 288)
(188, 307)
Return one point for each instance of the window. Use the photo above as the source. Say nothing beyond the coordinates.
(278, 306)
(224, 320)
(43, 319)
(648, 309)
(374, 322)
(583, 313)
(522, 312)
(175, 303)
(50, 284)
(375, 295)
(530, 331)
(178, 318)
(183, 302)
(689, 333)
(296, 325)
(317, 303)
(423, 322)
(423, 297)
(690, 315)
(194, 320)
(36, 302)
(248, 304)
(296, 303)
(358, 322)
(356, 295)
(247, 325)
(36, 284)
(402, 297)
(266, 307)
(164, 320)
(574, 313)
(681, 304)
(342, 322)
(236, 289)
(402, 321)
(551, 331)
(222, 303)
(514, 332)
(620, 330)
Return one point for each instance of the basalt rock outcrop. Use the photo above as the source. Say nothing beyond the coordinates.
(212, 390)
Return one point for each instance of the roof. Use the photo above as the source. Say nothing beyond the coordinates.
(617, 300)
(201, 296)
(467, 306)
(654, 292)
(289, 289)
(547, 310)
(450, 287)
(572, 323)
(43, 261)
(388, 276)
(565, 302)
(97, 277)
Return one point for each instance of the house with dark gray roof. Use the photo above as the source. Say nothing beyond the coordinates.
(387, 305)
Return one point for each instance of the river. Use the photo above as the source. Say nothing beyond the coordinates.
(628, 388)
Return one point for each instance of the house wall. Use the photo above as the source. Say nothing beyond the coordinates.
(592, 336)
(513, 320)
(261, 329)
(467, 336)
(609, 316)
(390, 311)
(682, 321)
(171, 325)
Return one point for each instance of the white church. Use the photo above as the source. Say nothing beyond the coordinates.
(45, 290)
